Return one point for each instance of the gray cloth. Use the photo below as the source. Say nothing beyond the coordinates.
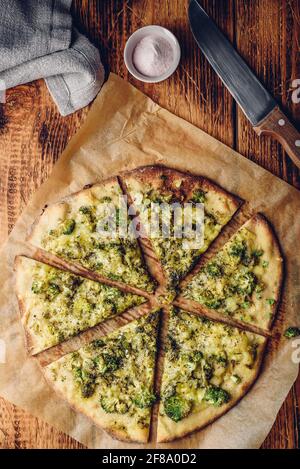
(37, 40)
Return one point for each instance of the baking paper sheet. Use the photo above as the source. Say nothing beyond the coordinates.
(125, 129)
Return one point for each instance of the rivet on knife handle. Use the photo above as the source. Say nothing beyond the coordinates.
(278, 126)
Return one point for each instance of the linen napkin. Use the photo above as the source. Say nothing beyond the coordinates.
(38, 40)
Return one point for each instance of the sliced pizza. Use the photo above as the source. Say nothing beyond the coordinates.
(56, 305)
(208, 367)
(158, 194)
(111, 380)
(243, 279)
(91, 228)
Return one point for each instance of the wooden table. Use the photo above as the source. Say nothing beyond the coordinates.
(33, 134)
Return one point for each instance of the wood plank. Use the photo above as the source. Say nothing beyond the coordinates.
(267, 36)
(33, 134)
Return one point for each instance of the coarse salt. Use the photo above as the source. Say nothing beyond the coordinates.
(153, 56)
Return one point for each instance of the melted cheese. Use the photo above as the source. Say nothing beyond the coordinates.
(59, 305)
(204, 362)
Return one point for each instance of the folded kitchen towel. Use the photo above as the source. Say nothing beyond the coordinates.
(38, 40)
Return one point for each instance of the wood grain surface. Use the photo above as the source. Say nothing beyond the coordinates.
(33, 134)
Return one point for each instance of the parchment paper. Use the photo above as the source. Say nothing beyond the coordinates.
(123, 130)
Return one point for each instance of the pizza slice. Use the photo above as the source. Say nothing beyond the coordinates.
(56, 305)
(158, 193)
(208, 368)
(91, 228)
(243, 279)
(111, 380)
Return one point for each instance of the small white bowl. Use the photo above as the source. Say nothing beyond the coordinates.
(140, 34)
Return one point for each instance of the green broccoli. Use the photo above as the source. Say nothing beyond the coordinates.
(214, 303)
(85, 210)
(108, 405)
(111, 363)
(292, 332)
(246, 283)
(36, 287)
(144, 399)
(97, 343)
(198, 197)
(53, 290)
(238, 249)
(111, 405)
(69, 226)
(216, 396)
(177, 408)
(214, 270)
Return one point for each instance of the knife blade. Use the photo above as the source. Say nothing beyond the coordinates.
(255, 101)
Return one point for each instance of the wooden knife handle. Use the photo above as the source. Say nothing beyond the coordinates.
(278, 126)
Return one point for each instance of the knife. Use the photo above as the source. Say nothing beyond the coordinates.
(255, 101)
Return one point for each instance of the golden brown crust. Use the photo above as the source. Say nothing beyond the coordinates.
(260, 219)
(154, 175)
(28, 340)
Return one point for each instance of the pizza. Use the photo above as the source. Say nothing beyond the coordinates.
(243, 279)
(152, 186)
(111, 380)
(208, 367)
(56, 305)
(179, 370)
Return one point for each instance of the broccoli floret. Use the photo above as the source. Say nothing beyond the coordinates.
(85, 380)
(85, 210)
(292, 332)
(177, 408)
(111, 405)
(197, 356)
(111, 363)
(53, 290)
(198, 197)
(216, 396)
(238, 249)
(69, 226)
(271, 301)
(208, 371)
(172, 347)
(214, 303)
(144, 399)
(88, 388)
(36, 287)
(246, 283)
(214, 270)
(107, 405)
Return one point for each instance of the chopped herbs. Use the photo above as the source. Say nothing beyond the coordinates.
(69, 226)
(292, 332)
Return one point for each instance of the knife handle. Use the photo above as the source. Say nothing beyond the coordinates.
(278, 126)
